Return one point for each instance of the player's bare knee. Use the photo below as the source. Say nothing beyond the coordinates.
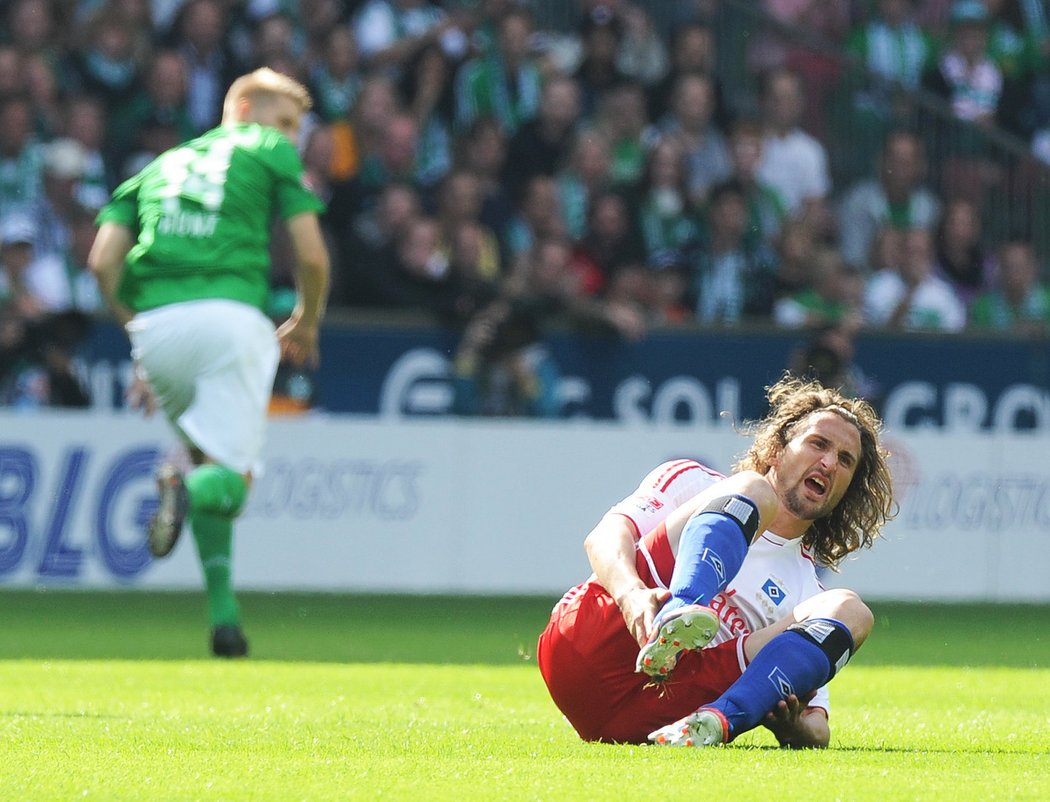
(842, 605)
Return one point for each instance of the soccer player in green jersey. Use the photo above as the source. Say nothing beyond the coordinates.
(182, 258)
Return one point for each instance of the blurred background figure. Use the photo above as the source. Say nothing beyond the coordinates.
(1019, 302)
(912, 297)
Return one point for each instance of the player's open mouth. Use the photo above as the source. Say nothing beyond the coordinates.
(817, 484)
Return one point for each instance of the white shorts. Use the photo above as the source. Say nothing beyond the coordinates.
(211, 365)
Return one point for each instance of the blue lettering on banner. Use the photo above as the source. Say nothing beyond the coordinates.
(60, 559)
(17, 479)
(127, 471)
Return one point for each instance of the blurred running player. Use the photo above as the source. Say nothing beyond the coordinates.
(182, 257)
(704, 617)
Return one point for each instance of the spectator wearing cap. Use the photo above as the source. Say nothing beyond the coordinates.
(505, 82)
(33, 286)
(65, 164)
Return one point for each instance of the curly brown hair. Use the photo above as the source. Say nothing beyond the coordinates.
(857, 520)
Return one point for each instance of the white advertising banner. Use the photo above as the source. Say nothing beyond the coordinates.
(363, 505)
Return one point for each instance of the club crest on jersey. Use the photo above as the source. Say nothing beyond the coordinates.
(715, 562)
(781, 682)
(773, 591)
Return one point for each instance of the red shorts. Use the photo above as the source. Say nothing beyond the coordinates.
(587, 656)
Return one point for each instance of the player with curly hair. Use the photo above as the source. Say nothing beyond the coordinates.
(704, 617)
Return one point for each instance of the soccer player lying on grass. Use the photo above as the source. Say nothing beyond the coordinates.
(714, 578)
(182, 258)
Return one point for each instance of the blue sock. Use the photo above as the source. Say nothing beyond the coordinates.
(792, 663)
(711, 551)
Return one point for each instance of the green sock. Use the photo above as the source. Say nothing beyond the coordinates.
(214, 536)
(217, 495)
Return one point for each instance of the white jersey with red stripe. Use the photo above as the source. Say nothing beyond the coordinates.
(776, 575)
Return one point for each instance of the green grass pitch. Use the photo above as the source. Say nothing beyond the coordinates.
(110, 696)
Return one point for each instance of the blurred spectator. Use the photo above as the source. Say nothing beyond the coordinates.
(733, 280)
(200, 36)
(426, 89)
(796, 249)
(895, 52)
(913, 298)
(367, 250)
(972, 85)
(44, 92)
(896, 196)
(1019, 302)
(390, 32)
(65, 165)
(503, 83)
(85, 122)
(541, 146)
(21, 288)
(484, 152)
(162, 103)
(961, 258)
(766, 208)
(600, 33)
(793, 162)
(586, 174)
(642, 56)
(21, 160)
(31, 27)
(610, 244)
(835, 296)
(108, 62)
(459, 203)
(421, 278)
(693, 52)
(828, 356)
(11, 62)
(667, 218)
(623, 121)
(394, 161)
(537, 216)
(691, 122)
(827, 22)
(335, 80)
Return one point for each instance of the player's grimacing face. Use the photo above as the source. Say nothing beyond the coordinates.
(815, 469)
(280, 112)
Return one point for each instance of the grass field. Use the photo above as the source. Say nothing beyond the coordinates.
(111, 696)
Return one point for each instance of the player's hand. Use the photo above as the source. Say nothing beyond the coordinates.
(298, 341)
(140, 395)
(639, 608)
(792, 726)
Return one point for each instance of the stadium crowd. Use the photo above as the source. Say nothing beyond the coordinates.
(497, 174)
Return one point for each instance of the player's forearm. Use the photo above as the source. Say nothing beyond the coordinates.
(106, 263)
(610, 550)
(311, 269)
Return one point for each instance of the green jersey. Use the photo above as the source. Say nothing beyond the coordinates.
(201, 216)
